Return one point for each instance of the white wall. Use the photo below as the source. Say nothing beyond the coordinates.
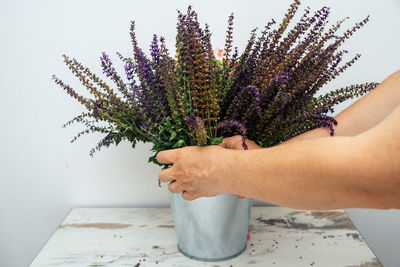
(42, 175)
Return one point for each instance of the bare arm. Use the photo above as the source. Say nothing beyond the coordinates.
(358, 167)
(324, 173)
(365, 113)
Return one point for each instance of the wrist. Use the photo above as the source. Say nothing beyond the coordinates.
(225, 164)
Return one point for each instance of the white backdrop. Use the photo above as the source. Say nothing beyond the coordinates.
(42, 175)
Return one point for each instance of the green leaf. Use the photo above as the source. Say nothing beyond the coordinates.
(154, 160)
(173, 135)
(117, 139)
(178, 144)
(217, 140)
(168, 144)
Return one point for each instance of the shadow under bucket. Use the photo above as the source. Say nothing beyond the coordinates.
(211, 228)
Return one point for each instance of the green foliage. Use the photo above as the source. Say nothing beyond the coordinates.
(170, 137)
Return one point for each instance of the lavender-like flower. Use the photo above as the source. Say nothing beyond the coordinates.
(197, 128)
(110, 71)
(266, 93)
(155, 50)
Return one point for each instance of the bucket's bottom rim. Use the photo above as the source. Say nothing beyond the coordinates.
(213, 259)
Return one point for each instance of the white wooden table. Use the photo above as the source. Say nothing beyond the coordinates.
(146, 237)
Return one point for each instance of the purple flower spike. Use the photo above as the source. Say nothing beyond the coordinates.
(255, 97)
(109, 70)
(130, 71)
(228, 125)
(191, 121)
(196, 124)
(155, 50)
(281, 78)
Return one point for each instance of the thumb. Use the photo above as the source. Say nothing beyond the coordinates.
(229, 142)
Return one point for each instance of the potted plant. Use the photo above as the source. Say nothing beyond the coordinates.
(201, 95)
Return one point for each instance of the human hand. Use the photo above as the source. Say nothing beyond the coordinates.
(195, 171)
(235, 142)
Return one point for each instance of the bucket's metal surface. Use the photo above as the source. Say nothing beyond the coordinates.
(211, 228)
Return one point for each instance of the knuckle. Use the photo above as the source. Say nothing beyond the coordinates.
(162, 176)
(189, 172)
(173, 187)
(178, 174)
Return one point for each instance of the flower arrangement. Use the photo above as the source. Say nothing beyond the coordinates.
(202, 95)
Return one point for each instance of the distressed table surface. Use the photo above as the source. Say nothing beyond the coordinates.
(146, 236)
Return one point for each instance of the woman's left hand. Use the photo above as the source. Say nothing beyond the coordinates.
(196, 171)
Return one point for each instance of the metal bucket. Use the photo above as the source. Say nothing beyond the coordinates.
(211, 228)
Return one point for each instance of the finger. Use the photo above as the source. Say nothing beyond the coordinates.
(251, 144)
(175, 187)
(166, 175)
(187, 195)
(166, 156)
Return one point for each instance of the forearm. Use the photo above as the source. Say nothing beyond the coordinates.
(365, 113)
(325, 173)
(355, 168)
